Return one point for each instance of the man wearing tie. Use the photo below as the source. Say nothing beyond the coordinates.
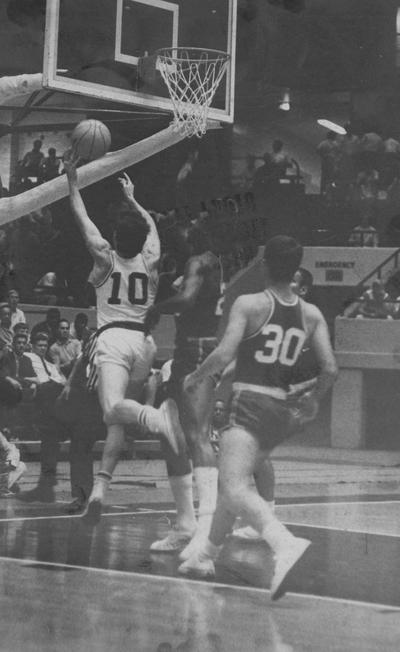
(49, 382)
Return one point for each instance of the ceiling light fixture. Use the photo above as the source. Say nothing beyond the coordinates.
(332, 126)
(285, 103)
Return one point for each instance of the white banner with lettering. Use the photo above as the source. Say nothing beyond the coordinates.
(346, 266)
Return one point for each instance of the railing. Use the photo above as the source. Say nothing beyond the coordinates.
(379, 269)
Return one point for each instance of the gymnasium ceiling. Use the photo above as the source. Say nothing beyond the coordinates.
(331, 46)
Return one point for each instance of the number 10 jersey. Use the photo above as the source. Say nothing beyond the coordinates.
(127, 292)
(266, 359)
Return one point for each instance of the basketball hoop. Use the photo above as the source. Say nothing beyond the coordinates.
(192, 76)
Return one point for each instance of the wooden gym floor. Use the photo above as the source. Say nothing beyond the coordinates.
(67, 587)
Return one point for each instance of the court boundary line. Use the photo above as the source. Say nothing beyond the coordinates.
(158, 512)
(221, 585)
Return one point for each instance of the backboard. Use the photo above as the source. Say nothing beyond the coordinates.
(101, 48)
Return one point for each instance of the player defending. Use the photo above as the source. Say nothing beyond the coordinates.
(196, 305)
(125, 279)
(266, 333)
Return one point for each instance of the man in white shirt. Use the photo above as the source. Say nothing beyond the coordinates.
(66, 349)
(17, 315)
(49, 383)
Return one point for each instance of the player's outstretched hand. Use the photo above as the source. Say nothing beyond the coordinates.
(299, 389)
(70, 160)
(190, 383)
(305, 409)
(127, 186)
(151, 320)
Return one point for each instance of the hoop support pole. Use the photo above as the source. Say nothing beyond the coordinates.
(11, 208)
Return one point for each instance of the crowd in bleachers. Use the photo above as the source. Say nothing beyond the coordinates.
(356, 167)
(40, 362)
(39, 252)
(360, 174)
(35, 168)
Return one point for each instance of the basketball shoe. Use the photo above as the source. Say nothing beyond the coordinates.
(175, 541)
(199, 564)
(285, 558)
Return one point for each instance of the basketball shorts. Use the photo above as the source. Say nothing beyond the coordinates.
(128, 349)
(268, 419)
(188, 356)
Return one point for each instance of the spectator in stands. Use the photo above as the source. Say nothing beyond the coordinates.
(366, 192)
(390, 163)
(279, 161)
(11, 467)
(371, 148)
(50, 166)
(348, 161)
(392, 287)
(275, 167)
(49, 385)
(6, 333)
(65, 350)
(302, 283)
(219, 421)
(23, 329)
(45, 371)
(17, 364)
(49, 326)
(32, 161)
(375, 303)
(248, 174)
(364, 235)
(79, 329)
(17, 315)
(329, 152)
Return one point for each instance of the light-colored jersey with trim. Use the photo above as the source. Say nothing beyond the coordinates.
(126, 291)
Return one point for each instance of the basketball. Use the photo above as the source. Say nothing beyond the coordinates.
(91, 139)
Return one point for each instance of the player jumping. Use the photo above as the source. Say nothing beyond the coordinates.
(125, 279)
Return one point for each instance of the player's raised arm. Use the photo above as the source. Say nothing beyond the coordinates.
(321, 345)
(227, 349)
(151, 249)
(96, 244)
(182, 300)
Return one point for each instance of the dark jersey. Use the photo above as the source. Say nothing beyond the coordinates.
(201, 320)
(267, 358)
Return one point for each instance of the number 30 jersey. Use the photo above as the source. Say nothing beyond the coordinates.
(266, 359)
(127, 292)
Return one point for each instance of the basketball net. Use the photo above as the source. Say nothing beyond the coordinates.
(192, 76)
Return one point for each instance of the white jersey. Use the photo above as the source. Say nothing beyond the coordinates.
(127, 291)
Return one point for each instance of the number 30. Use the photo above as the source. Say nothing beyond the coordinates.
(281, 345)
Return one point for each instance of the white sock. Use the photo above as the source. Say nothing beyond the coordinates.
(210, 550)
(241, 521)
(182, 490)
(15, 474)
(100, 486)
(149, 418)
(207, 488)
